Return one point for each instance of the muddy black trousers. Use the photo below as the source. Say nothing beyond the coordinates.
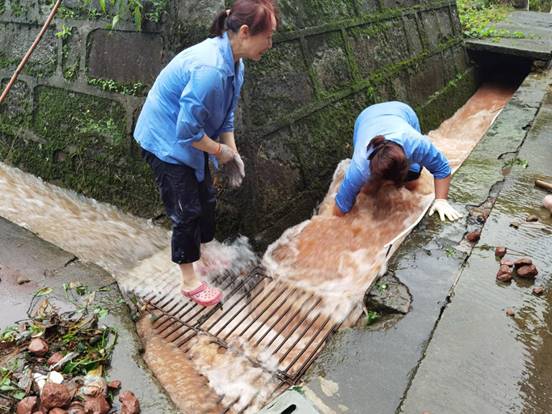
(189, 204)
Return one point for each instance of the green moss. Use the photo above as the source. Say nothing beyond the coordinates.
(6, 62)
(2, 6)
(84, 145)
(15, 112)
(18, 9)
(110, 85)
(71, 71)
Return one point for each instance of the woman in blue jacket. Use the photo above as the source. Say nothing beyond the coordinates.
(188, 116)
(388, 146)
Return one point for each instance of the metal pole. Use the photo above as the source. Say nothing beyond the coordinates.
(30, 51)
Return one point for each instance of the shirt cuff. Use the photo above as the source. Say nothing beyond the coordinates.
(343, 209)
(194, 138)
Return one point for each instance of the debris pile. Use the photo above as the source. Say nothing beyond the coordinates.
(522, 267)
(55, 363)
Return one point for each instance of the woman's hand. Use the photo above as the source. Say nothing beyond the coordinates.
(444, 209)
(224, 154)
(234, 170)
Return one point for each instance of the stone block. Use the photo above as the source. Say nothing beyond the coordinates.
(324, 138)
(455, 20)
(449, 65)
(412, 34)
(277, 183)
(309, 13)
(369, 47)
(16, 110)
(445, 24)
(431, 30)
(393, 4)
(367, 6)
(278, 84)
(328, 59)
(198, 12)
(15, 40)
(427, 79)
(460, 58)
(400, 86)
(126, 57)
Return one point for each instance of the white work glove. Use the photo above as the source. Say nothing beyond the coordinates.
(442, 206)
(224, 154)
(234, 170)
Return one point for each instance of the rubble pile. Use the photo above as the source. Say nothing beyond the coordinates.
(56, 363)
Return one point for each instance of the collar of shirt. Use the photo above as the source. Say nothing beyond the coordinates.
(225, 48)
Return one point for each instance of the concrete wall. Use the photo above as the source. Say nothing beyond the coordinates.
(70, 116)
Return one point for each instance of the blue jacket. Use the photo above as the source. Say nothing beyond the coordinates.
(194, 95)
(398, 123)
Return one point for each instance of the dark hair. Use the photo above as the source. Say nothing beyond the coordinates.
(256, 14)
(387, 161)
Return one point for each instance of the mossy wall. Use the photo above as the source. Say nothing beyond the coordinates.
(70, 116)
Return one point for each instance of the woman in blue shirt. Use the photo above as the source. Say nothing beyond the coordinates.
(188, 116)
(388, 146)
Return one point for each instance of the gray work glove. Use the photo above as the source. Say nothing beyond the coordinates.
(234, 170)
(225, 154)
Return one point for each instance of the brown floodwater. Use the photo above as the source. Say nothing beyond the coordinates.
(325, 262)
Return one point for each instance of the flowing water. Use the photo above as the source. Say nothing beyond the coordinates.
(332, 260)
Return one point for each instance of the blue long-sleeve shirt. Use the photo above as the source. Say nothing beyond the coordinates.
(398, 123)
(194, 95)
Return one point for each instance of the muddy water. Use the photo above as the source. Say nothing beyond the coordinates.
(334, 259)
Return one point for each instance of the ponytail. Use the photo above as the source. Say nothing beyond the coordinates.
(256, 14)
(219, 24)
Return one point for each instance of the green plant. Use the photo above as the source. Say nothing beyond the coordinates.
(64, 33)
(70, 73)
(372, 317)
(110, 85)
(515, 162)
(158, 7)
(66, 13)
(123, 8)
(478, 19)
(8, 334)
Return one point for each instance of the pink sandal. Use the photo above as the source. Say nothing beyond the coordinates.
(204, 295)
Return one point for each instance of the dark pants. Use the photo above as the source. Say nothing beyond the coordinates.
(189, 204)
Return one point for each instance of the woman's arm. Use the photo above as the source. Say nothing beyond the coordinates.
(223, 152)
(207, 145)
(228, 139)
(442, 187)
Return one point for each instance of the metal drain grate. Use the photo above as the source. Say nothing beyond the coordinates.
(283, 323)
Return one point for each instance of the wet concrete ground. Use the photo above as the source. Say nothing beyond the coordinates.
(25, 256)
(478, 359)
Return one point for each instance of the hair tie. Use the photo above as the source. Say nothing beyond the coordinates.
(376, 149)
